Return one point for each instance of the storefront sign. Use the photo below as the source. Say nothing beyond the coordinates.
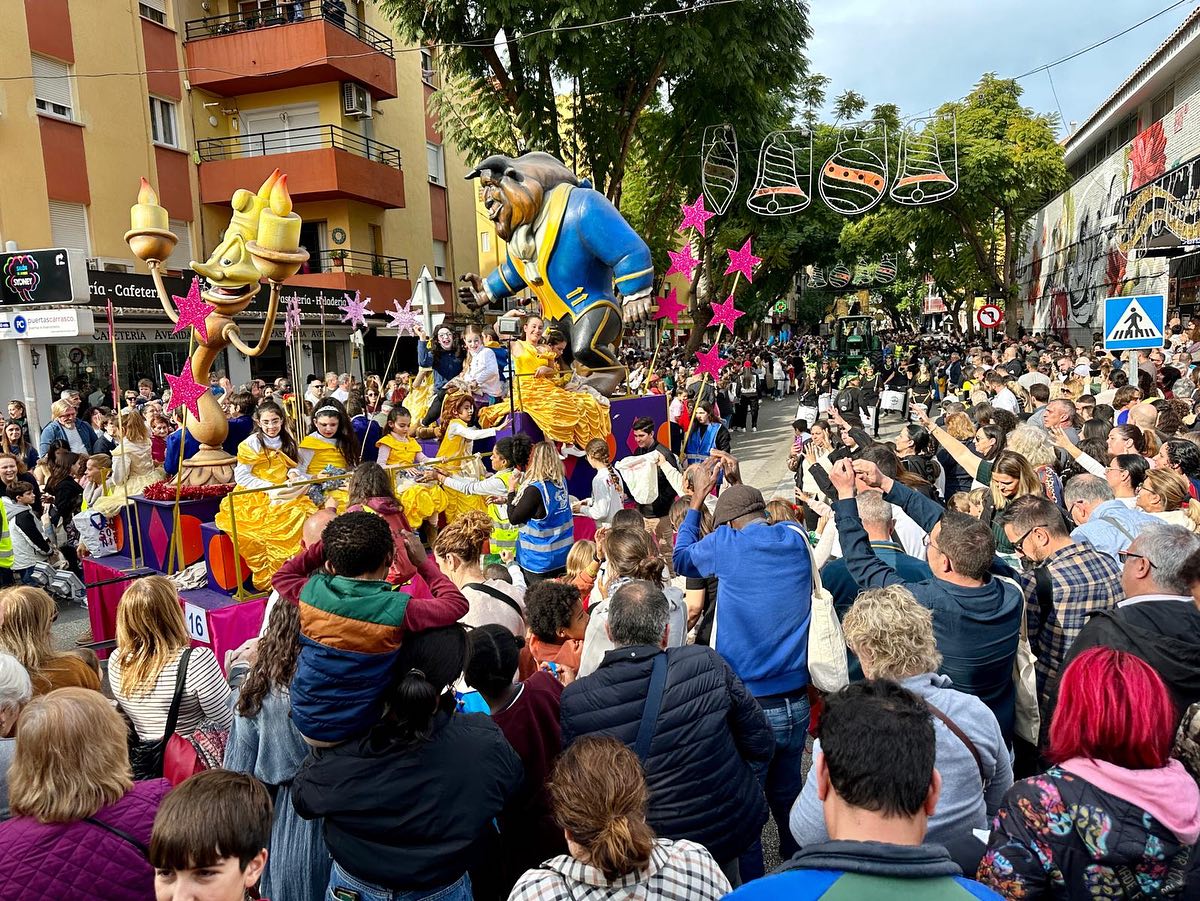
(37, 325)
(40, 277)
(134, 291)
(154, 331)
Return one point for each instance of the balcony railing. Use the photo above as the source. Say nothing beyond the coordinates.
(294, 140)
(357, 262)
(289, 12)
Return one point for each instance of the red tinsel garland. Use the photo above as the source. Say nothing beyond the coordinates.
(165, 491)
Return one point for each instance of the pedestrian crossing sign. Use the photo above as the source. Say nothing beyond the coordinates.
(1134, 323)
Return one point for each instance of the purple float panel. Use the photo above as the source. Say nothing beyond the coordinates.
(155, 522)
(215, 620)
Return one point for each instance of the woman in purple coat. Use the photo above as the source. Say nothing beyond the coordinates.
(80, 825)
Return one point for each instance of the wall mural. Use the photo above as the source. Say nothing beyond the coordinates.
(1076, 249)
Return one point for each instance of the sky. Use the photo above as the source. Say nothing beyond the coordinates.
(920, 53)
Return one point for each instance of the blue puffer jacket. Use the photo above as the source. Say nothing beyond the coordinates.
(710, 731)
(445, 365)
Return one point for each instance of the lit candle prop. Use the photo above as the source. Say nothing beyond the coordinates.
(278, 226)
(146, 213)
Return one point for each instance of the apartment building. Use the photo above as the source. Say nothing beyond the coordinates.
(203, 97)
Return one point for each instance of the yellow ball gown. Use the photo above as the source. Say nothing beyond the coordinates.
(572, 417)
(268, 527)
(425, 499)
(420, 396)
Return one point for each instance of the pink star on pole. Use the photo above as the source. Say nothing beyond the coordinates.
(185, 391)
(669, 307)
(291, 318)
(404, 319)
(710, 362)
(743, 261)
(725, 314)
(682, 261)
(192, 310)
(694, 216)
(354, 310)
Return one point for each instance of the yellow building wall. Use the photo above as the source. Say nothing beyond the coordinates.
(24, 215)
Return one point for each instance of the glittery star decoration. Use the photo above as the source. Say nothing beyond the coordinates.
(404, 319)
(354, 310)
(682, 261)
(185, 391)
(669, 307)
(291, 318)
(725, 314)
(193, 310)
(695, 216)
(710, 362)
(743, 261)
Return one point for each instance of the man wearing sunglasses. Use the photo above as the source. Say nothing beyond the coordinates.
(1063, 582)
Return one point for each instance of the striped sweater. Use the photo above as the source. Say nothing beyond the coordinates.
(350, 634)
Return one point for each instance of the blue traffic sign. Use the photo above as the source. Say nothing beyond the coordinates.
(1134, 323)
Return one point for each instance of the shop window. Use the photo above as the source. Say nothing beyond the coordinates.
(52, 87)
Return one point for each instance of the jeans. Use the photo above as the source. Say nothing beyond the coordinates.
(358, 890)
(781, 778)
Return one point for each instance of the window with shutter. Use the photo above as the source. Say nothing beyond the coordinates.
(154, 10)
(436, 162)
(163, 129)
(52, 87)
(439, 259)
(181, 259)
(68, 226)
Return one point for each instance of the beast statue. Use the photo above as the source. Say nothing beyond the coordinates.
(572, 248)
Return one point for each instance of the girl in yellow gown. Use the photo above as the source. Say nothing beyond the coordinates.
(268, 522)
(423, 500)
(420, 396)
(329, 450)
(567, 416)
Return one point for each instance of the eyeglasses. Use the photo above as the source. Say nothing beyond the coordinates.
(1125, 555)
(1019, 544)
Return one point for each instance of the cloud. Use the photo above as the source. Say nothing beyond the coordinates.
(921, 54)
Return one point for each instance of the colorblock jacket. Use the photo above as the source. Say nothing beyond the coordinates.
(350, 635)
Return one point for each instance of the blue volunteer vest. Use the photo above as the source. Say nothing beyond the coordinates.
(701, 443)
(545, 543)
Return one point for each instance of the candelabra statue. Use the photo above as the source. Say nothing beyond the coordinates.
(261, 241)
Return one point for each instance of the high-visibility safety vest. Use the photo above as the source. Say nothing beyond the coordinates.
(6, 548)
(504, 534)
(701, 442)
(544, 543)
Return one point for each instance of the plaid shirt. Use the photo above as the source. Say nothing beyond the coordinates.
(678, 871)
(1082, 579)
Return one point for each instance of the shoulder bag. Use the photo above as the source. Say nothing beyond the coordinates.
(1028, 721)
(827, 667)
(146, 757)
(961, 736)
(654, 696)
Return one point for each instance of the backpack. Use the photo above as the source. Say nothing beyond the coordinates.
(748, 384)
(845, 402)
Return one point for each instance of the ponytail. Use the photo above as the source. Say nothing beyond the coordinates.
(622, 846)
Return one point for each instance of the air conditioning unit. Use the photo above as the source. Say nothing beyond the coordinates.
(356, 100)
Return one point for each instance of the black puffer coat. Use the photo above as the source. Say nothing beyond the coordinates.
(710, 731)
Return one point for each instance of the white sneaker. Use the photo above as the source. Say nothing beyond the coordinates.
(755, 429)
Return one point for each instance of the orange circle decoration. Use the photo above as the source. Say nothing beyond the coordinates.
(118, 527)
(220, 561)
(664, 434)
(612, 446)
(193, 542)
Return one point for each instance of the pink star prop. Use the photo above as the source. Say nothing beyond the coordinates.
(694, 216)
(682, 261)
(725, 314)
(403, 318)
(710, 362)
(354, 310)
(743, 261)
(192, 310)
(669, 307)
(185, 391)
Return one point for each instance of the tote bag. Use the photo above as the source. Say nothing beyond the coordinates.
(96, 533)
(827, 667)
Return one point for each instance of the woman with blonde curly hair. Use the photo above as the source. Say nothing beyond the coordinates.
(599, 796)
(892, 634)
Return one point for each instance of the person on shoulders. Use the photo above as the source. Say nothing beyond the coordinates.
(878, 789)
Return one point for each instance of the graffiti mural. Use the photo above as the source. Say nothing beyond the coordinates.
(1076, 249)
